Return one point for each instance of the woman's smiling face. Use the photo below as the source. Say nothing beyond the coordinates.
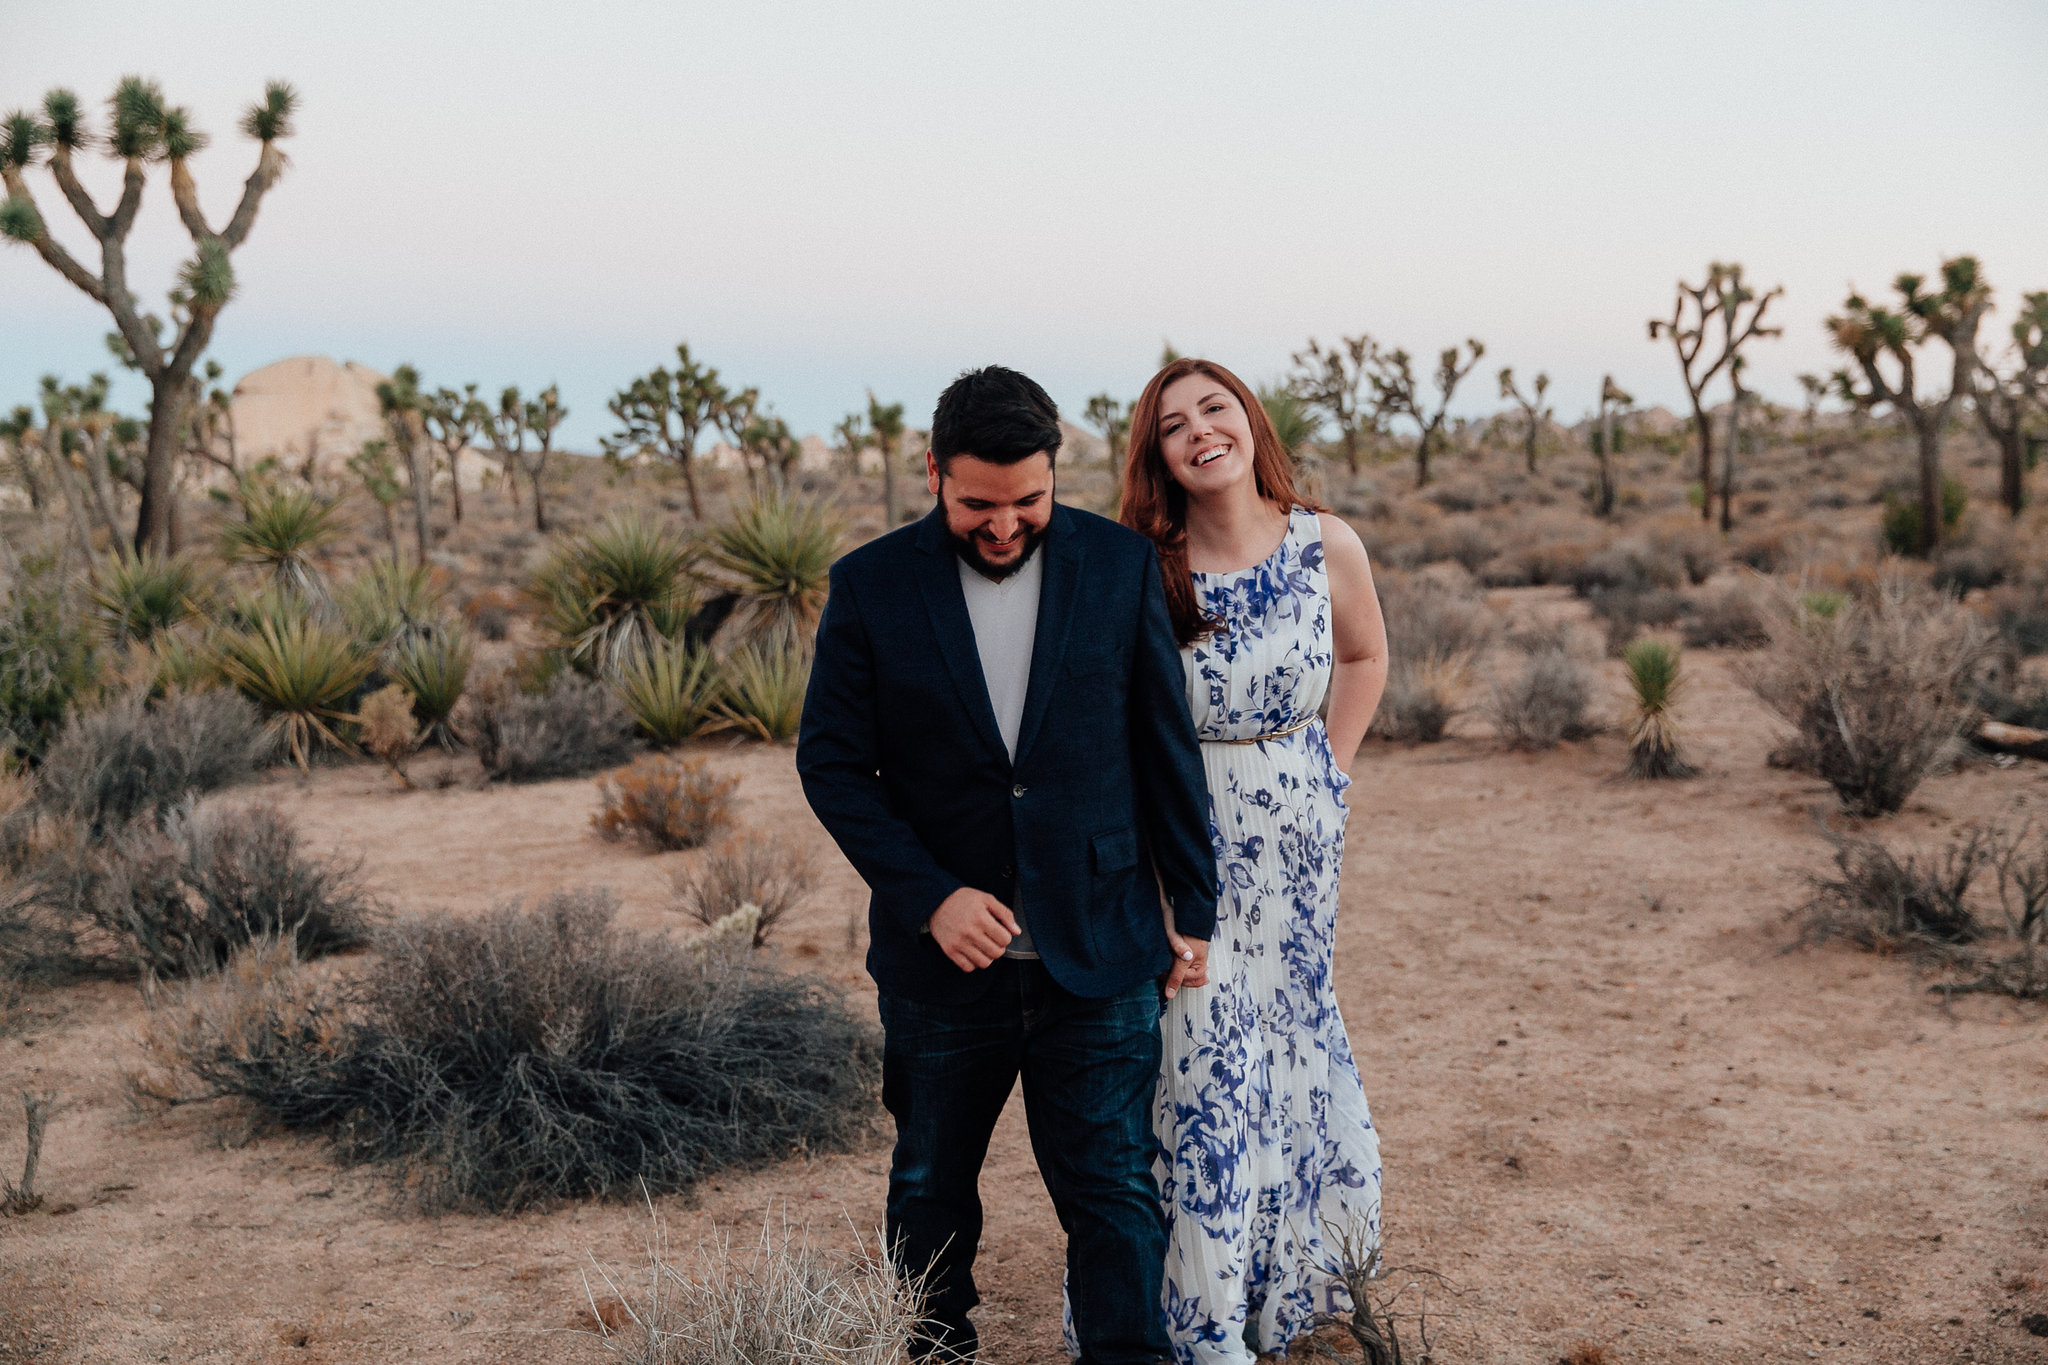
(1205, 436)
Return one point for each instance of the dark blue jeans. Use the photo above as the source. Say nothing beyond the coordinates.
(1090, 1068)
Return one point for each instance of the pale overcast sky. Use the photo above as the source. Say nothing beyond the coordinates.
(824, 197)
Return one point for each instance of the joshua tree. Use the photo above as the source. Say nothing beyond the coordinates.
(738, 410)
(405, 416)
(885, 420)
(1113, 420)
(769, 439)
(454, 420)
(374, 466)
(849, 438)
(1395, 395)
(17, 432)
(1869, 333)
(2003, 399)
(1613, 402)
(1815, 388)
(144, 129)
(507, 430)
(543, 415)
(1724, 299)
(1167, 355)
(1534, 413)
(1330, 382)
(663, 411)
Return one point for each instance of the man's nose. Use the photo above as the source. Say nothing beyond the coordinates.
(1002, 525)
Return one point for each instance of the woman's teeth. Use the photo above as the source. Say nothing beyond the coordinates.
(1211, 455)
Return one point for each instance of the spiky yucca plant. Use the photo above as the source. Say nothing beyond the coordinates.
(301, 671)
(672, 690)
(776, 554)
(434, 668)
(180, 660)
(764, 691)
(139, 595)
(389, 603)
(617, 591)
(279, 530)
(1653, 739)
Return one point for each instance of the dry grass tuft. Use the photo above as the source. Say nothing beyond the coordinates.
(771, 874)
(1547, 702)
(1437, 629)
(670, 803)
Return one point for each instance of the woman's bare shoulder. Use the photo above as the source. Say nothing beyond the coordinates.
(1341, 544)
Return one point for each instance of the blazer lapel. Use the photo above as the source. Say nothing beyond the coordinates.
(1063, 555)
(938, 579)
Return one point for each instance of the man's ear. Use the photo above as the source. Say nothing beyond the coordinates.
(931, 474)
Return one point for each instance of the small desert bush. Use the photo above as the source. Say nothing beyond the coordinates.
(1729, 619)
(1630, 567)
(785, 1301)
(616, 591)
(138, 596)
(672, 690)
(1900, 525)
(764, 691)
(136, 757)
(1463, 539)
(1877, 691)
(1437, 629)
(775, 553)
(530, 1055)
(1688, 544)
(1547, 701)
(387, 727)
(668, 802)
(1654, 677)
(300, 671)
(571, 728)
(48, 660)
(2019, 613)
(433, 668)
(1625, 613)
(773, 875)
(1880, 902)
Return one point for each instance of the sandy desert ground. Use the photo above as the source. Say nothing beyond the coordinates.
(1616, 1111)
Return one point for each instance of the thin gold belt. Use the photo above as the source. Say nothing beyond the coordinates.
(1260, 739)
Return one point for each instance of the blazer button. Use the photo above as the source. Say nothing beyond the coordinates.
(1008, 872)
(1018, 790)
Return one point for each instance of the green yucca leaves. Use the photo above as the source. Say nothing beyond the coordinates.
(435, 669)
(1294, 420)
(764, 691)
(673, 691)
(65, 120)
(777, 554)
(388, 601)
(1653, 672)
(19, 220)
(300, 671)
(138, 596)
(279, 530)
(209, 277)
(182, 661)
(272, 119)
(617, 591)
(20, 135)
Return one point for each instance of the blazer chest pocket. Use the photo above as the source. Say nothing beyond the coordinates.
(1115, 851)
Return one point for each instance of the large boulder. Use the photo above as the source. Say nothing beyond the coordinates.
(308, 413)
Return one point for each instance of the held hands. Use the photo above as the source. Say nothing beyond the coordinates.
(972, 928)
(1190, 963)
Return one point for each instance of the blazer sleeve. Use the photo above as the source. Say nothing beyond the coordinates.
(1173, 792)
(838, 758)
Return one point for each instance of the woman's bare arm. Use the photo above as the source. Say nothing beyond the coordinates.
(1360, 636)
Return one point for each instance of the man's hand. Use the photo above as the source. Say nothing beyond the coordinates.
(1190, 963)
(972, 928)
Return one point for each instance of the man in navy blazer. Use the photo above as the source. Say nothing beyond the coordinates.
(997, 735)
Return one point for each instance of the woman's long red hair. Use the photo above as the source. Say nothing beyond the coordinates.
(1154, 504)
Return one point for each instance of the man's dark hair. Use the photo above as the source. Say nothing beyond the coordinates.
(995, 414)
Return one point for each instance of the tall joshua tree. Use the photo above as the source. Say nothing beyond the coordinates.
(2003, 399)
(885, 420)
(1872, 334)
(454, 420)
(1395, 394)
(542, 416)
(664, 411)
(1716, 318)
(1815, 388)
(1332, 381)
(144, 129)
(849, 439)
(405, 416)
(1113, 420)
(1613, 402)
(507, 429)
(1534, 413)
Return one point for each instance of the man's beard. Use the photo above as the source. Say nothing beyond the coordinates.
(969, 549)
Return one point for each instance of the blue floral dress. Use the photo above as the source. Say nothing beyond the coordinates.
(1265, 1133)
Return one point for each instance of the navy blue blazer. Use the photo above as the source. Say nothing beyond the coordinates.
(902, 761)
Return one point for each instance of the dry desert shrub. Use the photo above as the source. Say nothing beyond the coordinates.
(769, 873)
(1625, 613)
(1629, 567)
(1879, 902)
(1729, 619)
(529, 1055)
(573, 727)
(137, 758)
(1437, 629)
(784, 1301)
(670, 803)
(1547, 701)
(1876, 687)
(388, 729)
